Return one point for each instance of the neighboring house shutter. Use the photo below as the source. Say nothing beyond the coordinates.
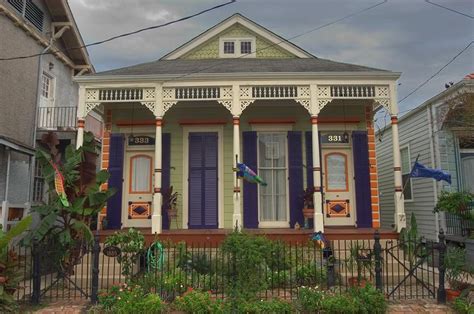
(114, 204)
(360, 149)
(295, 171)
(250, 190)
(165, 173)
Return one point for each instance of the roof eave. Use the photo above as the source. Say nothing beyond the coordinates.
(378, 75)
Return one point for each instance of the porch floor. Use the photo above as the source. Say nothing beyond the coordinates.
(216, 236)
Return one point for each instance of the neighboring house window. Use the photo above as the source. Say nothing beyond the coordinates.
(47, 90)
(38, 184)
(29, 11)
(272, 167)
(245, 47)
(237, 47)
(406, 169)
(229, 47)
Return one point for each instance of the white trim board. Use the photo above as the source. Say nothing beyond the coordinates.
(220, 169)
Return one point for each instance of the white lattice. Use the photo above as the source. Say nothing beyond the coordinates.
(245, 92)
(90, 106)
(226, 92)
(149, 93)
(245, 103)
(385, 102)
(324, 92)
(92, 94)
(227, 104)
(303, 91)
(382, 91)
(167, 105)
(306, 103)
(168, 93)
(322, 103)
(150, 105)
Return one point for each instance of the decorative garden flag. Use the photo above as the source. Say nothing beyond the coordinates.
(421, 171)
(248, 174)
(59, 185)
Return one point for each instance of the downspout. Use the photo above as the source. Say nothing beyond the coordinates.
(434, 166)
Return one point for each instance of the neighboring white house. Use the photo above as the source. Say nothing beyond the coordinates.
(425, 133)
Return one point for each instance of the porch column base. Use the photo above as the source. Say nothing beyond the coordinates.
(156, 221)
(400, 221)
(237, 221)
(318, 222)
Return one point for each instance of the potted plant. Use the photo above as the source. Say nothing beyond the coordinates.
(359, 261)
(170, 203)
(308, 204)
(457, 274)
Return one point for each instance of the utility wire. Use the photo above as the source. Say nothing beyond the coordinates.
(436, 73)
(287, 40)
(125, 34)
(449, 9)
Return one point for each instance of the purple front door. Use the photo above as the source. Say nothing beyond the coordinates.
(202, 180)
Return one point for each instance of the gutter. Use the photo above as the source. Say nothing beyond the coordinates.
(391, 76)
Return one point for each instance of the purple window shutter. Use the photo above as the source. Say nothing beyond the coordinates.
(165, 173)
(114, 204)
(203, 195)
(250, 190)
(360, 149)
(295, 165)
(309, 158)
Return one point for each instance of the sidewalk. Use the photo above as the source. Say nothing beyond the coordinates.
(418, 306)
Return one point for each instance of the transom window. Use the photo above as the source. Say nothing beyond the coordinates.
(406, 178)
(140, 174)
(272, 167)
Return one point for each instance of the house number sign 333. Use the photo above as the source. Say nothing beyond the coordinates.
(140, 140)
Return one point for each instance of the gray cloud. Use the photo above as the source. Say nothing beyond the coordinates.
(407, 36)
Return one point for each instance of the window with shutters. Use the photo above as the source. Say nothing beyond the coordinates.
(29, 11)
(406, 170)
(273, 169)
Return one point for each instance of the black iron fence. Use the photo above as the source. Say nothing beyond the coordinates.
(400, 269)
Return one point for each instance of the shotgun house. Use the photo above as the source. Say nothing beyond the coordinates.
(240, 93)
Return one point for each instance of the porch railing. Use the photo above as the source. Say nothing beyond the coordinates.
(54, 118)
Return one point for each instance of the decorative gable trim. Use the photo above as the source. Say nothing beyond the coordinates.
(225, 24)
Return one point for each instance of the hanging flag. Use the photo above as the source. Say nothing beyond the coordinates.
(248, 174)
(59, 185)
(421, 171)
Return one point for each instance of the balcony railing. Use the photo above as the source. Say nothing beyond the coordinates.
(57, 118)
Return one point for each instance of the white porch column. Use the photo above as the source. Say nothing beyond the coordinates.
(317, 196)
(156, 219)
(400, 218)
(237, 216)
(81, 109)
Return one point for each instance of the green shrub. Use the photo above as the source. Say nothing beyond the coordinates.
(275, 306)
(309, 299)
(369, 300)
(195, 301)
(247, 254)
(310, 274)
(279, 256)
(339, 304)
(174, 283)
(278, 278)
(463, 306)
(130, 299)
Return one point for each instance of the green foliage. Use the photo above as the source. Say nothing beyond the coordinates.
(463, 306)
(66, 225)
(309, 299)
(410, 241)
(279, 257)
(454, 202)
(248, 256)
(369, 300)
(359, 261)
(260, 307)
(131, 244)
(130, 299)
(309, 274)
(10, 273)
(457, 272)
(195, 301)
(278, 278)
(174, 282)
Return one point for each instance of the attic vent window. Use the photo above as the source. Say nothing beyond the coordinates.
(237, 47)
(29, 11)
(229, 47)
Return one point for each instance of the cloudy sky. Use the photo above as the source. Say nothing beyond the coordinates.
(408, 36)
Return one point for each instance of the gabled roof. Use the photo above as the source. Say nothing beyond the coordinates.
(230, 21)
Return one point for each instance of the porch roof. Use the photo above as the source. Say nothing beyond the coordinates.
(218, 66)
